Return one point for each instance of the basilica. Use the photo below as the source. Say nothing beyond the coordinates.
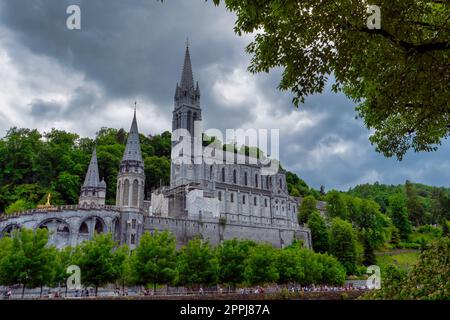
(213, 200)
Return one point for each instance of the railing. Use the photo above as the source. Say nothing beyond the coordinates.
(60, 208)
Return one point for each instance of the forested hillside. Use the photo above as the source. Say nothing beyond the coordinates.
(33, 164)
(425, 202)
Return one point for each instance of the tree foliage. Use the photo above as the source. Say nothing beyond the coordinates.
(319, 232)
(307, 207)
(154, 260)
(231, 255)
(26, 259)
(343, 244)
(399, 215)
(429, 279)
(98, 261)
(336, 206)
(197, 264)
(398, 73)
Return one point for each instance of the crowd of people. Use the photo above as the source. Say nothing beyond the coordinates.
(117, 292)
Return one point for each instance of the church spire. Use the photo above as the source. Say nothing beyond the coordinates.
(92, 178)
(133, 148)
(187, 79)
(187, 92)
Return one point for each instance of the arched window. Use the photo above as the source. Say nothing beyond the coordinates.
(220, 195)
(223, 174)
(234, 177)
(256, 180)
(255, 201)
(232, 197)
(243, 199)
(126, 192)
(135, 193)
(245, 178)
(211, 172)
(267, 182)
(281, 184)
(98, 227)
(84, 228)
(265, 202)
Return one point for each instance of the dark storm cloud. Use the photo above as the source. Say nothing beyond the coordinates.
(129, 49)
(45, 109)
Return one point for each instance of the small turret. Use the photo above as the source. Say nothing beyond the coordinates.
(93, 192)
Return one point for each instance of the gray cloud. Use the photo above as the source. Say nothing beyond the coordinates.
(134, 50)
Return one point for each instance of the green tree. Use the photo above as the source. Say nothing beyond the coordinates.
(312, 268)
(440, 206)
(307, 207)
(231, 257)
(157, 172)
(395, 236)
(289, 265)
(415, 208)
(261, 265)
(63, 258)
(97, 261)
(28, 260)
(154, 260)
(18, 206)
(373, 229)
(343, 244)
(197, 264)
(122, 265)
(390, 70)
(399, 215)
(333, 272)
(336, 206)
(429, 279)
(319, 232)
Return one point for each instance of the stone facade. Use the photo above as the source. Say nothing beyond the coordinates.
(205, 199)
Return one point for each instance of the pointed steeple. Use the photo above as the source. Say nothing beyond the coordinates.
(187, 79)
(92, 178)
(133, 148)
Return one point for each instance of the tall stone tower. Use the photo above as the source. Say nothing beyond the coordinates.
(131, 178)
(186, 113)
(93, 191)
(130, 189)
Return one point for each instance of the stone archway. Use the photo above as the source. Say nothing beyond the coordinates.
(90, 226)
(6, 232)
(59, 231)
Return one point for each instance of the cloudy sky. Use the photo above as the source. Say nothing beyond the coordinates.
(80, 81)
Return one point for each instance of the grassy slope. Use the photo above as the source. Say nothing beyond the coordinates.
(404, 260)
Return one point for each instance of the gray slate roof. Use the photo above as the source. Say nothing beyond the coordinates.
(133, 148)
(92, 178)
(187, 79)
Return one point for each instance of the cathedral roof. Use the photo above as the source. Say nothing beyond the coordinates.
(92, 178)
(187, 79)
(133, 148)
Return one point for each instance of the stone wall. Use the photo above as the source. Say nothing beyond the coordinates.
(216, 231)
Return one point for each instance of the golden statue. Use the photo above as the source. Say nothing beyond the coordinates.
(47, 205)
(49, 196)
